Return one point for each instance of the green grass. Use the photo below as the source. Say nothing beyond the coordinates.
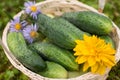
(8, 72)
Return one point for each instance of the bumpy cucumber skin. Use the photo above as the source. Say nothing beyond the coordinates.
(108, 39)
(89, 21)
(59, 31)
(56, 54)
(19, 49)
(54, 70)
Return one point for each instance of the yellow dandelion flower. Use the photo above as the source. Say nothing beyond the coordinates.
(95, 53)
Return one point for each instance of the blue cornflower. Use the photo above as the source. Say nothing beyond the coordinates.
(31, 9)
(30, 32)
(16, 25)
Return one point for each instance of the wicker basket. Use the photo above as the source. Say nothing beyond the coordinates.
(57, 7)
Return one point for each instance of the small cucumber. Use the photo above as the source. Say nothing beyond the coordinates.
(59, 31)
(72, 74)
(56, 54)
(54, 70)
(19, 49)
(89, 21)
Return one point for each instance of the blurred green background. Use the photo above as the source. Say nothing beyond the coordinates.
(8, 72)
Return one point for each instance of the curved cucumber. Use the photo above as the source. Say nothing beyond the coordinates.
(19, 49)
(55, 54)
(54, 70)
(59, 31)
(90, 22)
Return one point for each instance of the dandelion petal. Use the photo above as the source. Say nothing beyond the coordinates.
(91, 61)
(82, 59)
(86, 66)
(94, 68)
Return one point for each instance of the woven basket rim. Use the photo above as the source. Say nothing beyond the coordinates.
(35, 76)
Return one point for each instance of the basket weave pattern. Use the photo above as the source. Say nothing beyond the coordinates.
(58, 7)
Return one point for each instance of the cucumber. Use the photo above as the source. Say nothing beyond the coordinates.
(59, 31)
(89, 21)
(54, 70)
(19, 49)
(56, 54)
(72, 74)
(108, 39)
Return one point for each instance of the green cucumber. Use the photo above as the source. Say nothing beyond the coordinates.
(72, 74)
(56, 54)
(59, 31)
(19, 49)
(54, 70)
(89, 21)
(108, 39)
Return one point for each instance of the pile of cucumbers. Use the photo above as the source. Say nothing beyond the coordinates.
(54, 57)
